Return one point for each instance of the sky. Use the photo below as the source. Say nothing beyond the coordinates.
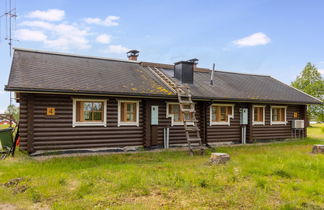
(271, 37)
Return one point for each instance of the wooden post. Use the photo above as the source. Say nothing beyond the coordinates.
(203, 122)
(306, 124)
(250, 124)
(147, 123)
(30, 123)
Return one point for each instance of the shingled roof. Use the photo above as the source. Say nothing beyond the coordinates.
(56, 72)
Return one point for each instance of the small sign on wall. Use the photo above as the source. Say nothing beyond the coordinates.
(295, 114)
(50, 111)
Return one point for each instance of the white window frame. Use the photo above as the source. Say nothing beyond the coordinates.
(172, 115)
(278, 122)
(264, 109)
(220, 123)
(137, 113)
(104, 123)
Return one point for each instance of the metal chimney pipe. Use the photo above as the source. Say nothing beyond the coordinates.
(212, 75)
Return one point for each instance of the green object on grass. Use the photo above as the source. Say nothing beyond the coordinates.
(7, 143)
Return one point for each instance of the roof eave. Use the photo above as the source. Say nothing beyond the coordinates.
(38, 90)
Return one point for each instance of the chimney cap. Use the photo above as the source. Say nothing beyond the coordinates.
(194, 60)
(133, 53)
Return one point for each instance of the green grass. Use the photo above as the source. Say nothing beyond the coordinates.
(316, 131)
(274, 176)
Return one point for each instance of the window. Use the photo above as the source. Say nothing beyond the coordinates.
(258, 115)
(220, 114)
(173, 111)
(278, 114)
(128, 113)
(89, 112)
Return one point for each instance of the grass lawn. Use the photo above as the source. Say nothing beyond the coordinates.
(273, 176)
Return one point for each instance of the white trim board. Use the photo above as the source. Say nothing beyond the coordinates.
(278, 122)
(220, 123)
(264, 109)
(137, 113)
(75, 123)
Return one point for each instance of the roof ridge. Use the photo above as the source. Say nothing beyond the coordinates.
(74, 55)
(250, 74)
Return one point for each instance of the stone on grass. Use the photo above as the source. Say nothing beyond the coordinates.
(318, 148)
(219, 158)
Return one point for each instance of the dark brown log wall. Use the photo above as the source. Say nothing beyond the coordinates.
(269, 132)
(56, 132)
(225, 133)
(176, 132)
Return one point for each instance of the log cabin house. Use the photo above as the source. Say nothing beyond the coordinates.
(79, 102)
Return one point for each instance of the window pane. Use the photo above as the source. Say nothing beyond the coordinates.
(122, 112)
(214, 113)
(229, 110)
(128, 112)
(87, 106)
(97, 116)
(223, 114)
(78, 112)
(97, 106)
(282, 114)
(278, 114)
(87, 115)
(260, 118)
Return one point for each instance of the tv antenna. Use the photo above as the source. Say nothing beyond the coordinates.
(10, 21)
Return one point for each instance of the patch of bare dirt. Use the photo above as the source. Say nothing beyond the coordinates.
(15, 186)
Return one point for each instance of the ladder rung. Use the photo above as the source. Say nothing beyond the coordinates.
(192, 129)
(188, 110)
(185, 102)
(194, 139)
(190, 120)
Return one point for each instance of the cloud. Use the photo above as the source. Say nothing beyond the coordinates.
(60, 36)
(2, 92)
(108, 21)
(104, 38)
(253, 40)
(116, 49)
(321, 71)
(30, 35)
(49, 15)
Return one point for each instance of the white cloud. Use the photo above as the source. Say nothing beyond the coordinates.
(108, 21)
(30, 35)
(104, 38)
(117, 49)
(49, 15)
(321, 71)
(38, 24)
(61, 36)
(2, 111)
(253, 40)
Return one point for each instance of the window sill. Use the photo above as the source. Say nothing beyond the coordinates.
(220, 123)
(278, 123)
(258, 123)
(128, 124)
(89, 124)
(182, 123)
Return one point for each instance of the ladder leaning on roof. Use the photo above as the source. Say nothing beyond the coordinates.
(187, 109)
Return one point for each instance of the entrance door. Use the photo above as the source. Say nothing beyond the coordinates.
(154, 124)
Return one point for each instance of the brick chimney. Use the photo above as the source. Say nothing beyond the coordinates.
(132, 55)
